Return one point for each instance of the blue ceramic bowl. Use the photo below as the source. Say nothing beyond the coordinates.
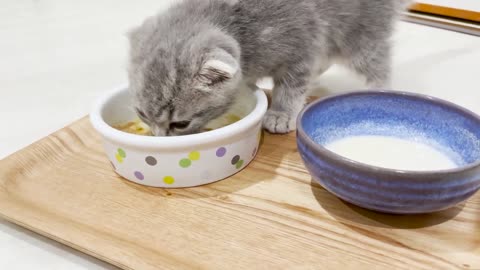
(453, 130)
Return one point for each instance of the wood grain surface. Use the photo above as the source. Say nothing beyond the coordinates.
(269, 216)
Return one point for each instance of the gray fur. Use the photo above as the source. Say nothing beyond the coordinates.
(290, 40)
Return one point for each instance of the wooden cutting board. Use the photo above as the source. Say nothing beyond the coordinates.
(269, 216)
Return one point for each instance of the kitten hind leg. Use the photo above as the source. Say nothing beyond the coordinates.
(288, 99)
(374, 65)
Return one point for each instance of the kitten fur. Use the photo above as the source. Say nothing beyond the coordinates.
(188, 63)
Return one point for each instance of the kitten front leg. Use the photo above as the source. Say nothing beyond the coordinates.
(288, 99)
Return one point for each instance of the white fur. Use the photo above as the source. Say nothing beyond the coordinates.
(222, 66)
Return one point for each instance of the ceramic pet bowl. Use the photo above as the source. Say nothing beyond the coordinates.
(428, 131)
(180, 161)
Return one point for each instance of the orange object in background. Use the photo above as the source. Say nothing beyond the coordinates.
(447, 11)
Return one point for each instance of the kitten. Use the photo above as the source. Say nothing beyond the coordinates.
(187, 63)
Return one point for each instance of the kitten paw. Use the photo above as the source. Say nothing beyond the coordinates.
(278, 122)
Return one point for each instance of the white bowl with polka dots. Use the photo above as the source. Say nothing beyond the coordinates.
(180, 161)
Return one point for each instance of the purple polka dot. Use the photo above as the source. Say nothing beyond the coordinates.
(139, 175)
(221, 152)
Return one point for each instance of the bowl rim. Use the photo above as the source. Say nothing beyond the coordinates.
(174, 142)
(321, 150)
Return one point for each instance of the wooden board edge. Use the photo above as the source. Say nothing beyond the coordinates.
(447, 11)
(75, 122)
(62, 241)
(4, 215)
(10, 213)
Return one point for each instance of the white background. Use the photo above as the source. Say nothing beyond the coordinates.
(57, 56)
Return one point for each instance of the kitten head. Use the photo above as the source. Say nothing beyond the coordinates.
(182, 78)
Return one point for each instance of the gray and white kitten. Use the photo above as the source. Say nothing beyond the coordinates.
(187, 63)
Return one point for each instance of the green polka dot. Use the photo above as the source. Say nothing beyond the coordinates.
(239, 164)
(169, 180)
(185, 163)
(194, 155)
(122, 153)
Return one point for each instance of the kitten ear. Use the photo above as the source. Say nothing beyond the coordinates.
(216, 71)
(219, 69)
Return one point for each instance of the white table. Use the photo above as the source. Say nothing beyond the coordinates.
(57, 56)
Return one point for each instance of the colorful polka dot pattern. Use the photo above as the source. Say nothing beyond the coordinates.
(120, 155)
(151, 161)
(237, 162)
(169, 180)
(221, 152)
(235, 159)
(194, 156)
(139, 175)
(187, 162)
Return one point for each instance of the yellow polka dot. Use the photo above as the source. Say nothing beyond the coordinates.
(194, 155)
(119, 158)
(169, 180)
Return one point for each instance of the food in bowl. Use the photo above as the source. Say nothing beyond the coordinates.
(223, 121)
(138, 127)
(243, 105)
(135, 127)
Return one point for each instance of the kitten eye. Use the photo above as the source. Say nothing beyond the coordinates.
(179, 125)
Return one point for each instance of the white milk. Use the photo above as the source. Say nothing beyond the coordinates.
(393, 153)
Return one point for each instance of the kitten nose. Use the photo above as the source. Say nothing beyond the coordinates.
(157, 131)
